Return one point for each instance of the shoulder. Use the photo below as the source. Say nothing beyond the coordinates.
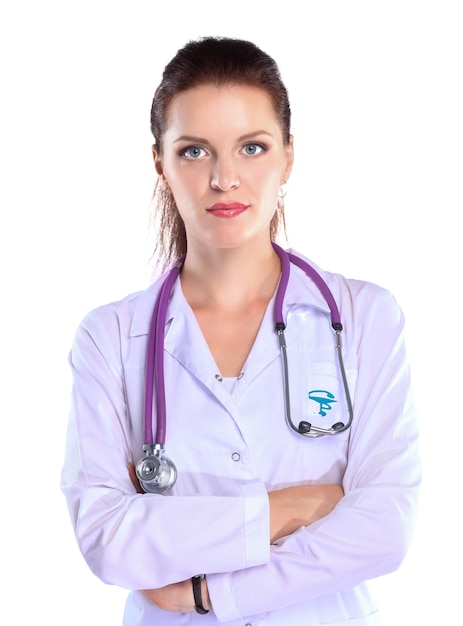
(356, 298)
(125, 317)
(338, 281)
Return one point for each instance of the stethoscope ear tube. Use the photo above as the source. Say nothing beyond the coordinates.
(344, 381)
(306, 428)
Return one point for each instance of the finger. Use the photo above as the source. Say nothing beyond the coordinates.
(134, 478)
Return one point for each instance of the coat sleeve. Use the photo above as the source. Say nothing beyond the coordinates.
(142, 541)
(369, 531)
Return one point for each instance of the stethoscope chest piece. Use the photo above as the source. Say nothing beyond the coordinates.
(155, 472)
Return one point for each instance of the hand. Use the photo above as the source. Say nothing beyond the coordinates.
(177, 597)
(134, 478)
(294, 507)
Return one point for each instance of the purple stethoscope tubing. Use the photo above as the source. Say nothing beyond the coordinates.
(155, 361)
(155, 351)
(286, 258)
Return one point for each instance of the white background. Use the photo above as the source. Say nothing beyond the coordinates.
(376, 193)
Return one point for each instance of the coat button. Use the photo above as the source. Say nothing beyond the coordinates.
(236, 456)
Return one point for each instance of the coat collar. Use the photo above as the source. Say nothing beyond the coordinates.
(301, 293)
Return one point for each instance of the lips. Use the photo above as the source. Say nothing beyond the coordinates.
(227, 209)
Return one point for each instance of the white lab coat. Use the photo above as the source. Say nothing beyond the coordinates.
(231, 444)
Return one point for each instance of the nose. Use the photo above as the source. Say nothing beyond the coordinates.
(224, 175)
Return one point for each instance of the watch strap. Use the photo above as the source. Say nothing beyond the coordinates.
(197, 595)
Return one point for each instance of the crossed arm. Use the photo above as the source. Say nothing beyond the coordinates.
(290, 508)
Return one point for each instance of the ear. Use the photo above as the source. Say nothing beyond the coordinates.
(157, 160)
(289, 150)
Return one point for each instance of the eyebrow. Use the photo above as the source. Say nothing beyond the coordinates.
(242, 138)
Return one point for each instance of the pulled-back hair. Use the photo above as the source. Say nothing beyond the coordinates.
(218, 61)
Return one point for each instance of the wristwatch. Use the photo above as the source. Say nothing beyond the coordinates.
(196, 582)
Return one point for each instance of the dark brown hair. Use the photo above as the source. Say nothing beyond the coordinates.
(218, 61)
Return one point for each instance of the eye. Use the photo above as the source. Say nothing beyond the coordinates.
(193, 152)
(252, 149)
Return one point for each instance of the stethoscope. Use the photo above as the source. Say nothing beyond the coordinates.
(156, 472)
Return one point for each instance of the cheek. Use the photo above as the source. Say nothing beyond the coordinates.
(189, 192)
(185, 181)
(270, 182)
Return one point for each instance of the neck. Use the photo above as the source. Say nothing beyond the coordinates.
(230, 278)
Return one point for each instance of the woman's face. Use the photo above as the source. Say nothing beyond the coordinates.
(224, 159)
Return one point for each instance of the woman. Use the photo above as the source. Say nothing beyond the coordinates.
(248, 521)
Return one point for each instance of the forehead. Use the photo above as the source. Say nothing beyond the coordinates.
(230, 109)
